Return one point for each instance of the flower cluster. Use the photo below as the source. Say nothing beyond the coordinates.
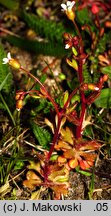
(70, 41)
(19, 100)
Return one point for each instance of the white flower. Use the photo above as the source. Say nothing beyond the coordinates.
(96, 88)
(6, 60)
(67, 46)
(68, 6)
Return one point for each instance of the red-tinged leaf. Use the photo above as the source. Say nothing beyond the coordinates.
(73, 119)
(67, 135)
(88, 156)
(59, 190)
(62, 145)
(31, 183)
(34, 166)
(73, 163)
(91, 163)
(61, 159)
(69, 154)
(84, 165)
(88, 145)
(57, 172)
(31, 175)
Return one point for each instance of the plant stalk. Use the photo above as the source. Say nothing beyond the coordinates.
(83, 102)
(43, 88)
(54, 141)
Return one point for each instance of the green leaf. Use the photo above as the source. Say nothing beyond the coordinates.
(82, 172)
(10, 4)
(103, 43)
(86, 74)
(46, 28)
(42, 135)
(83, 16)
(106, 70)
(45, 48)
(42, 80)
(44, 106)
(19, 165)
(104, 100)
(4, 81)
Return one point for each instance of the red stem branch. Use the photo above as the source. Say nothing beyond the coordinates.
(56, 133)
(54, 141)
(83, 102)
(43, 88)
(80, 37)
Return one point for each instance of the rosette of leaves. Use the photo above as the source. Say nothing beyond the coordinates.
(57, 176)
(76, 152)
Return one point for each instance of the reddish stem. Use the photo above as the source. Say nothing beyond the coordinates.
(54, 141)
(69, 99)
(80, 37)
(80, 73)
(56, 134)
(43, 88)
(55, 138)
(83, 102)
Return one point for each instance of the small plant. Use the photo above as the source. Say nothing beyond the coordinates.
(69, 149)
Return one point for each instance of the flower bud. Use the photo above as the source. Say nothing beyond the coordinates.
(62, 76)
(84, 87)
(74, 51)
(67, 36)
(19, 104)
(14, 63)
(95, 9)
(108, 24)
(93, 36)
(19, 95)
(101, 32)
(105, 77)
(93, 87)
(70, 14)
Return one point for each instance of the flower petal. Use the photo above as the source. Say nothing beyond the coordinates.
(96, 88)
(70, 4)
(9, 55)
(5, 60)
(63, 6)
(67, 46)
